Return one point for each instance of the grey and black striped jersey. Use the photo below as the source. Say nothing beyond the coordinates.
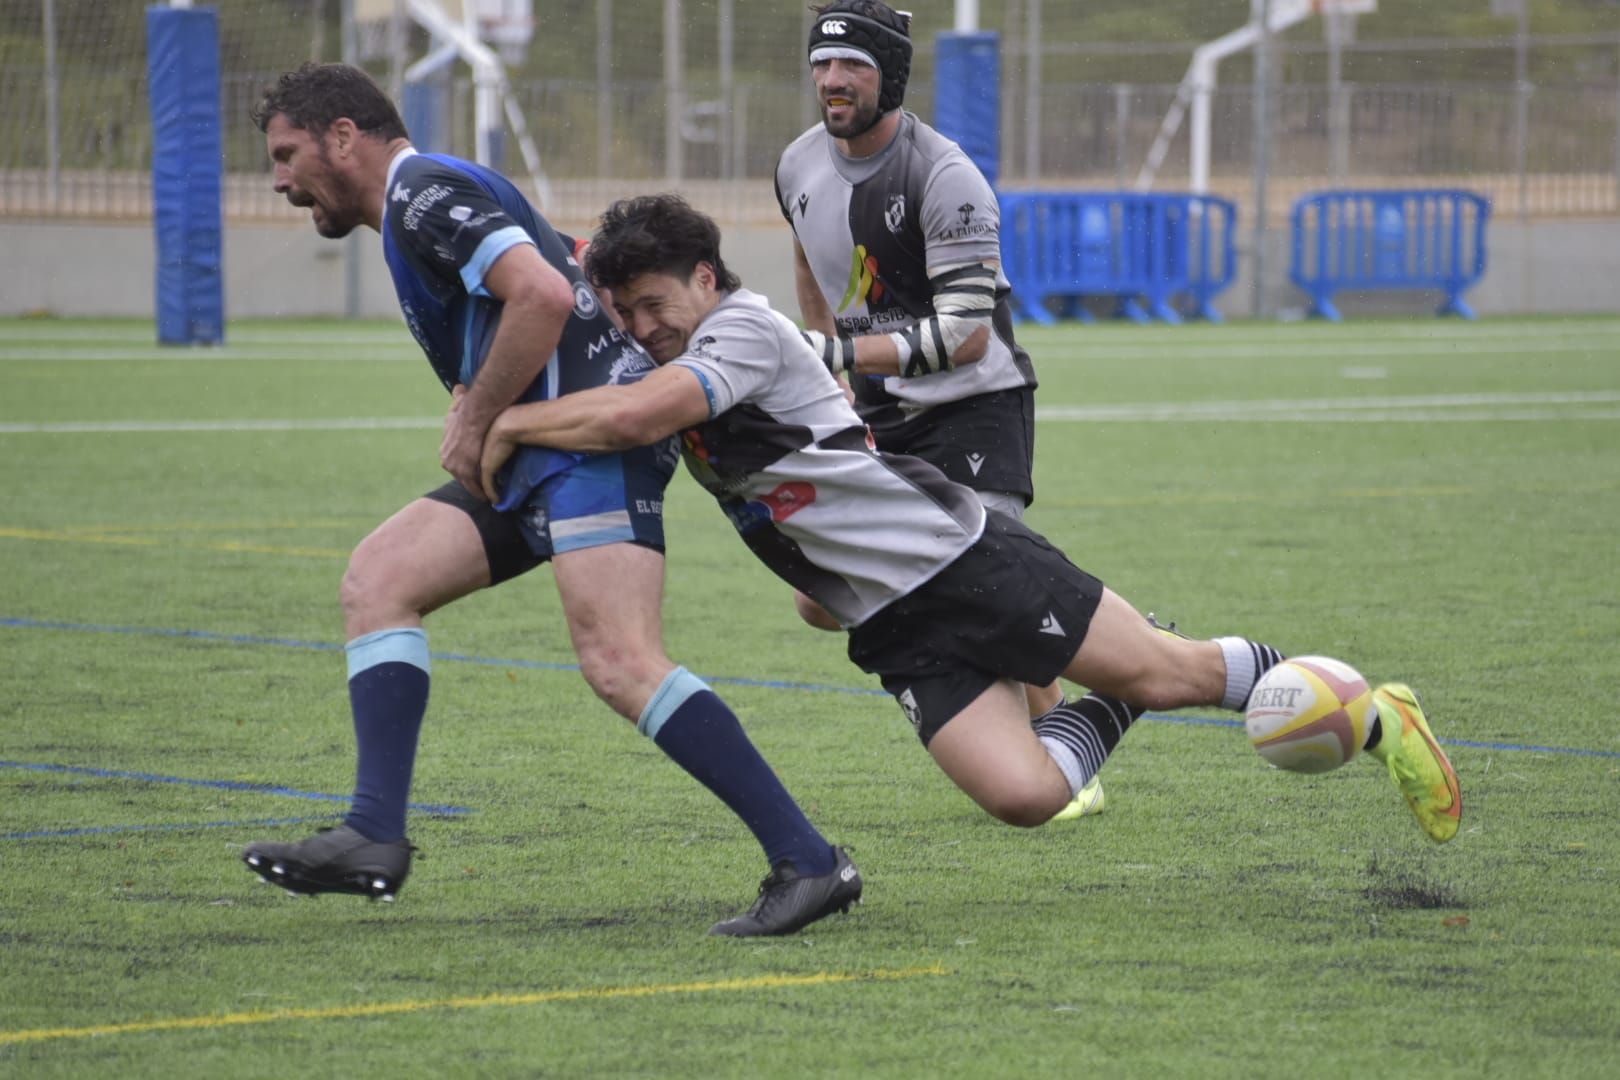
(794, 468)
(871, 229)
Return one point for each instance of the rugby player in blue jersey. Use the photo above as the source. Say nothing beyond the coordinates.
(494, 296)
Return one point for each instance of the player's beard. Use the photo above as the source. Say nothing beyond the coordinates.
(337, 219)
(861, 119)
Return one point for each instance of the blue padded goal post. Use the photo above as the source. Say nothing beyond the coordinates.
(967, 96)
(182, 51)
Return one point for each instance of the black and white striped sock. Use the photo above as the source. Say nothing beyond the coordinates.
(1246, 661)
(1081, 734)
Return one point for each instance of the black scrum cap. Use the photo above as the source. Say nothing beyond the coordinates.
(869, 31)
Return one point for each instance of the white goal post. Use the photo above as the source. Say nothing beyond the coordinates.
(492, 94)
(1198, 85)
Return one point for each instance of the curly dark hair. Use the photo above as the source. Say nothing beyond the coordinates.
(315, 96)
(655, 234)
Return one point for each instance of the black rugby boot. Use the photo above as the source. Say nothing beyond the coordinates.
(789, 901)
(333, 860)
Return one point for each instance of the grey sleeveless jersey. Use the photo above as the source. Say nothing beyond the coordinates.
(872, 227)
(794, 468)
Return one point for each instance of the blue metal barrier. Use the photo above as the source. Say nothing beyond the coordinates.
(1136, 247)
(1410, 239)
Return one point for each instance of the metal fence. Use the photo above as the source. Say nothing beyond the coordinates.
(618, 103)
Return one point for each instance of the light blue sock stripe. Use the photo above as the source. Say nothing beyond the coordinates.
(403, 645)
(671, 694)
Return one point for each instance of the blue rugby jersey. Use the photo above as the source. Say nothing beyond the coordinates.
(445, 223)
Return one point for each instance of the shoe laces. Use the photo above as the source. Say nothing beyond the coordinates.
(770, 885)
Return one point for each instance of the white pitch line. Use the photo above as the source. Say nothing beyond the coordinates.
(1201, 351)
(1114, 347)
(385, 330)
(1369, 416)
(1427, 408)
(383, 335)
(231, 355)
(349, 423)
(1483, 406)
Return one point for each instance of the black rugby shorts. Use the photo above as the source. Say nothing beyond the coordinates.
(1012, 606)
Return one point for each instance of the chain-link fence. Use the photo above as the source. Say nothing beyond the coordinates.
(701, 95)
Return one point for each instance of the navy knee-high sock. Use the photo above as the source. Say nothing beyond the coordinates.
(702, 735)
(388, 691)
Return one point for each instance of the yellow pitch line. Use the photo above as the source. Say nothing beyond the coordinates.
(9, 533)
(349, 1012)
(213, 526)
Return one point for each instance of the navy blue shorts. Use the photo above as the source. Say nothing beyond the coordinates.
(605, 499)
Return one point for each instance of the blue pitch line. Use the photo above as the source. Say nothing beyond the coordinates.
(222, 785)
(183, 826)
(1523, 749)
(723, 680)
(457, 658)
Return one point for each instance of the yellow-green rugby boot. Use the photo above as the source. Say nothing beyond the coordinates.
(1089, 801)
(1416, 763)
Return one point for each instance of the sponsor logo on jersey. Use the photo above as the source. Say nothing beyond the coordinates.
(604, 341)
(803, 204)
(1050, 625)
(864, 285)
(692, 440)
(586, 306)
(460, 213)
(788, 499)
(966, 225)
(401, 193)
(422, 203)
(975, 462)
(700, 347)
(472, 223)
(628, 367)
(895, 216)
(835, 28)
(885, 321)
(745, 516)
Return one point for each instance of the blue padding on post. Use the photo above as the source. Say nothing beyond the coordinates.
(422, 107)
(182, 47)
(967, 96)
